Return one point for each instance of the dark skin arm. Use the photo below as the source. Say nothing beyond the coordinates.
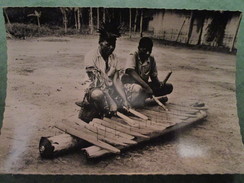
(119, 88)
(139, 80)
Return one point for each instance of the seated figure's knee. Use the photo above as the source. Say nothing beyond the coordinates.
(97, 95)
(138, 96)
(137, 89)
(170, 88)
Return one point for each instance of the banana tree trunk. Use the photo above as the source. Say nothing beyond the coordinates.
(65, 20)
(130, 23)
(135, 20)
(141, 23)
(38, 21)
(78, 19)
(98, 18)
(104, 14)
(75, 16)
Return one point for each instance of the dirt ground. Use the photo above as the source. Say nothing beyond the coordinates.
(44, 82)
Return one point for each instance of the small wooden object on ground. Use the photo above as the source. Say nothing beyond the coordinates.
(159, 103)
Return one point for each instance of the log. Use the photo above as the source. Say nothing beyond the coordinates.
(94, 151)
(88, 136)
(50, 147)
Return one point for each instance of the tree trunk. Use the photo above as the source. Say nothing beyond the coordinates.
(38, 21)
(50, 147)
(78, 19)
(120, 16)
(190, 28)
(199, 42)
(104, 14)
(178, 35)
(75, 16)
(130, 23)
(6, 15)
(91, 21)
(65, 20)
(141, 22)
(98, 18)
(236, 32)
(135, 20)
(65, 23)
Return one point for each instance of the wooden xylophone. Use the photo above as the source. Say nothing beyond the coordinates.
(111, 135)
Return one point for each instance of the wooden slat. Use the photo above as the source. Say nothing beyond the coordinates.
(170, 117)
(138, 128)
(127, 119)
(175, 113)
(103, 131)
(107, 137)
(79, 125)
(185, 106)
(136, 113)
(112, 131)
(122, 128)
(86, 135)
(149, 124)
(158, 118)
(164, 116)
(94, 151)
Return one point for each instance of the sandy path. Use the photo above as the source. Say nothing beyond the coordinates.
(44, 78)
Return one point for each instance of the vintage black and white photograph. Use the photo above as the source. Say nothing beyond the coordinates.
(121, 91)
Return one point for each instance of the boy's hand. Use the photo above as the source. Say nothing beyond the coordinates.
(126, 105)
(113, 108)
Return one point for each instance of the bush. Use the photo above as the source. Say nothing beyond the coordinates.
(28, 30)
(22, 31)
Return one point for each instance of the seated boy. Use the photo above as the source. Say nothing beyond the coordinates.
(139, 68)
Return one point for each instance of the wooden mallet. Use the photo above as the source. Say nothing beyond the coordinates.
(136, 113)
